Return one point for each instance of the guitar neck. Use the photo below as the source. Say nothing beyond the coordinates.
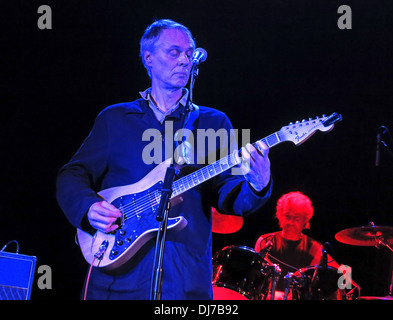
(214, 169)
(272, 140)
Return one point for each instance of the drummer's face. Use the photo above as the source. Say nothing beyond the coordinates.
(293, 223)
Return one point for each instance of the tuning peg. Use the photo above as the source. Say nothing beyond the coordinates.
(324, 116)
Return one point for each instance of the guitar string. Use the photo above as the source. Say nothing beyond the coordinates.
(150, 199)
(145, 201)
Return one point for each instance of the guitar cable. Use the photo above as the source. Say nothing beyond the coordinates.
(98, 255)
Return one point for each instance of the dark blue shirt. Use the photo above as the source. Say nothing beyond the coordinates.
(112, 156)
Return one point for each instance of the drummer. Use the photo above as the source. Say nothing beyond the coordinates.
(290, 248)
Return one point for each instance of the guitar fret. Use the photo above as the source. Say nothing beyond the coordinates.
(188, 182)
(195, 178)
(224, 165)
(217, 168)
(177, 188)
(231, 160)
(271, 140)
(203, 174)
(200, 178)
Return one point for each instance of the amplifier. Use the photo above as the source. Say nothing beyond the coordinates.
(16, 276)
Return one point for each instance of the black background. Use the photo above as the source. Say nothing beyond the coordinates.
(269, 63)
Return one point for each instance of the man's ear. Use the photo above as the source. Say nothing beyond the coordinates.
(147, 58)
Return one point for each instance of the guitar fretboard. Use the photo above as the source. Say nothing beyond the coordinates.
(192, 180)
(272, 140)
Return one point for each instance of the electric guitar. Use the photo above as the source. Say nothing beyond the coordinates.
(139, 202)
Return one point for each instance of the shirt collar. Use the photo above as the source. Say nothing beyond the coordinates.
(161, 115)
(183, 100)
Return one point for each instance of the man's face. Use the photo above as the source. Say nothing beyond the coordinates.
(170, 63)
(293, 222)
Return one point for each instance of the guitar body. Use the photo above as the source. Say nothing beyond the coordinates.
(138, 202)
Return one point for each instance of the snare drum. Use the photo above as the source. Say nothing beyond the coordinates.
(317, 283)
(240, 273)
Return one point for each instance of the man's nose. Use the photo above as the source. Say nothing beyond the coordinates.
(184, 59)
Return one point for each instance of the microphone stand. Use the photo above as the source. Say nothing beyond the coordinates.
(323, 265)
(382, 130)
(164, 205)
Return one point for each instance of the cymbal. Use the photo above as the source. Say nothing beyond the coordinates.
(225, 223)
(365, 236)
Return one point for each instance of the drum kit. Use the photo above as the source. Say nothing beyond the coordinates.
(241, 273)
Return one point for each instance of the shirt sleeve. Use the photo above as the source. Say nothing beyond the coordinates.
(235, 195)
(76, 181)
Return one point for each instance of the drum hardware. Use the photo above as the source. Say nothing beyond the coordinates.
(314, 283)
(288, 284)
(275, 269)
(368, 236)
(275, 276)
(381, 242)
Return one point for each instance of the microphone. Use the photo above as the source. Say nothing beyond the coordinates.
(381, 130)
(377, 152)
(324, 258)
(198, 56)
(266, 248)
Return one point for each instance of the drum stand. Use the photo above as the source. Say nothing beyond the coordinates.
(288, 280)
(381, 242)
(275, 277)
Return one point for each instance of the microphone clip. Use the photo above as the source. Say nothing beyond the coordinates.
(198, 56)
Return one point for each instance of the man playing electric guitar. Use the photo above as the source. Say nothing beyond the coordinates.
(112, 156)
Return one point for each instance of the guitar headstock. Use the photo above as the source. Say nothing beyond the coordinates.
(300, 131)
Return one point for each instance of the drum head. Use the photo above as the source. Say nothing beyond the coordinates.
(242, 271)
(317, 283)
(222, 293)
